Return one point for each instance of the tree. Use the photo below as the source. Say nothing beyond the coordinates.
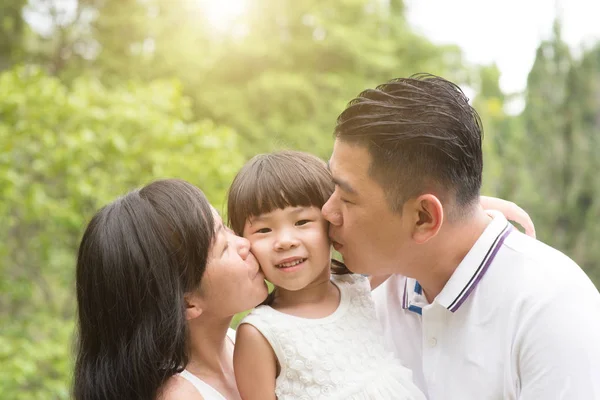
(12, 28)
(283, 75)
(548, 137)
(65, 152)
(561, 119)
(580, 135)
(505, 172)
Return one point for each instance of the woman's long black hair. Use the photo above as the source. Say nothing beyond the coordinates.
(137, 258)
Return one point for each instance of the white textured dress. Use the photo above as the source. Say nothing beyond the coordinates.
(341, 356)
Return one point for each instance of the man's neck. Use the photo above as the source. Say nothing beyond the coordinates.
(448, 250)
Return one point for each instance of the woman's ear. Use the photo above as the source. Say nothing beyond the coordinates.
(429, 216)
(193, 305)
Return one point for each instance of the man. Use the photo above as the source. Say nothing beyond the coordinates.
(475, 308)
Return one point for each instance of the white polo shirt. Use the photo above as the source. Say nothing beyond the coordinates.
(517, 320)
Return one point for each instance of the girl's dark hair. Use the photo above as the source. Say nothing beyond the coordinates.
(275, 181)
(138, 257)
(278, 180)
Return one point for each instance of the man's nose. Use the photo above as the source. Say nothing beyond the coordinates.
(331, 213)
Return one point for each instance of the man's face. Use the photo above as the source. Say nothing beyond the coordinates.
(371, 237)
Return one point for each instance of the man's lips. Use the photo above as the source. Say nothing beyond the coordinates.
(336, 245)
(333, 238)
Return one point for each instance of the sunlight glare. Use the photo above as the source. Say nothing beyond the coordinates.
(222, 14)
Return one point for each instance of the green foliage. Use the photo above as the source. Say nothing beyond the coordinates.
(283, 79)
(504, 173)
(140, 90)
(544, 159)
(66, 151)
(12, 28)
(561, 121)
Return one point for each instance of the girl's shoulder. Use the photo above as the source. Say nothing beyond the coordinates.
(260, 310)
(355, 289)
(357, 281)
(260, 316)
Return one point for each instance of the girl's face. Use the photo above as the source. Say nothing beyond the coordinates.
(233, 281)
(291, 245)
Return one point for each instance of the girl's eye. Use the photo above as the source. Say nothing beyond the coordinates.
(345, 201)
(302, 222)
(263, 230)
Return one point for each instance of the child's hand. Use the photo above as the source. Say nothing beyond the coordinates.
(511, 211)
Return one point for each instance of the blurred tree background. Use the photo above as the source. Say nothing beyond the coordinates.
(98, 97)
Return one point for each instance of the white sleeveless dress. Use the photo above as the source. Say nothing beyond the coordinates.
(341, 356)
(207, 391)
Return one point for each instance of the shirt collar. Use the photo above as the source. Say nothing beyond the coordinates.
(468, 273)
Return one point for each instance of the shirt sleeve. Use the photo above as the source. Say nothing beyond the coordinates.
(557, 354)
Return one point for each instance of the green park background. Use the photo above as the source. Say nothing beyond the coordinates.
(102, 96)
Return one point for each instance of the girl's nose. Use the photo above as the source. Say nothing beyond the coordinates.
(285, 241)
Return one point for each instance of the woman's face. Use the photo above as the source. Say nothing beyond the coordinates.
(233, 281)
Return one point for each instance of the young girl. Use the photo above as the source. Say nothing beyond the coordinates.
(317, 336)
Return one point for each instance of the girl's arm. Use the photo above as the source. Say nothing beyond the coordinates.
(512, 212)
(255, 364)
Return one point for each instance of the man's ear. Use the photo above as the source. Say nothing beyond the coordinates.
(193, 305)
(427, 217)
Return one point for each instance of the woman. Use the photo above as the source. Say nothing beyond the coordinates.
(159, 279)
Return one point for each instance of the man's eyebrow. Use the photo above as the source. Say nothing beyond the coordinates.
(344, 185)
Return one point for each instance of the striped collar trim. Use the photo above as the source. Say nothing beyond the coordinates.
(468, 273)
